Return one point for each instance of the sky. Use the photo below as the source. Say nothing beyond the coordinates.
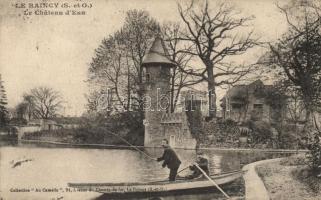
(56, 51)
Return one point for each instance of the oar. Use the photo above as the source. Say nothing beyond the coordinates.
(211, 180)
(182, 169)
(188, 161)
(132, 145)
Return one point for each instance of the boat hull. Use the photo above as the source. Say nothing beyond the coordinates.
(157, 188)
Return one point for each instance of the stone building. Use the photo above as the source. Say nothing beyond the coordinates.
(193, 95)
(254, 101)
(159, 122)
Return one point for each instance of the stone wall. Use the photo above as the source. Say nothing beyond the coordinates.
(179, 134)
(171, 126)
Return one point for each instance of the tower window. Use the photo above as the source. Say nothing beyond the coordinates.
(164, 73)
(147, 77)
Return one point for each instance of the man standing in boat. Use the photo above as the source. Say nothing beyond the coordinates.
(170, 159)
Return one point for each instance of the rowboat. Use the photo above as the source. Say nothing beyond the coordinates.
(158, 188)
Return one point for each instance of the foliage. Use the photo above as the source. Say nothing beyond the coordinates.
(221, 133)
(275, 98)
(8, 129)
(194, 118)
(294, 160)
(306, 176)
(81, 135)
(288, 140)
(3, 105)
(261, 131)
(96, 131)
(314, 155)
(298, 53)
(18, 121)
(69, 120)
(116, 73)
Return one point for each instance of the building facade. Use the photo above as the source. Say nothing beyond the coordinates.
(159, 122)
(253, 102)
(193, 95)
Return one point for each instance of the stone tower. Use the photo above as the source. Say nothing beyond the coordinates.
(159, 122)
(157, 89)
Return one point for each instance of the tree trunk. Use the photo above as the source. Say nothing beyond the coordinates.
(211, 93)
(128, 89)
(172, 95)
(316, 123)
(308, 120)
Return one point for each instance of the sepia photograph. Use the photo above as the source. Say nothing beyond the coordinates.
(160, 99)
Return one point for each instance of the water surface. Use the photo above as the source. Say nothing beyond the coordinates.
(52, 168)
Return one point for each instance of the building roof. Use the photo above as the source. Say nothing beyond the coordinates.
(157, 54)
(240, 91)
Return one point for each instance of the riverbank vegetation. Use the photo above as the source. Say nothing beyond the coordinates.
(95, 130)
(4, 114)
(256, 134)
(290, 178)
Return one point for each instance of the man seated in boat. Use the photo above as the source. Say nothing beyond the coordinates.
(202, 162)
(170, 159)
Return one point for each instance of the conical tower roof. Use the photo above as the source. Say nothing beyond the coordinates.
(157, 54)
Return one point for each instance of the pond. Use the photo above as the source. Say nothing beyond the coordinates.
(48, 169)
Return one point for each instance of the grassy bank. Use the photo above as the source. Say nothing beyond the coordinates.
(290, 179)
(85, 135)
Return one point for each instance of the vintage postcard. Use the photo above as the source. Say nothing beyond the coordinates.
(160, 99)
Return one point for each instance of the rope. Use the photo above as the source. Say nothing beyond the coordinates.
(132, 146)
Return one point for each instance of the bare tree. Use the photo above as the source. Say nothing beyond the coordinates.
(179, 80)
(213, 36)
(44, 102)
(99, 102)
(108, 74)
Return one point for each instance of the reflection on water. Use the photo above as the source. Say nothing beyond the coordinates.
(50, 169)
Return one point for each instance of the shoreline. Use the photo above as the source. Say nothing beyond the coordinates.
(284, 179)
(254, 186)
(111, 146)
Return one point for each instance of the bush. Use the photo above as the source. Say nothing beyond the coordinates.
(8, 129)
(18, 121)
(222, 133)
(287, 141)
(97, 131)
(314, 155)
(291, 136)
(294, 160)
(304, 175)
(260, 131)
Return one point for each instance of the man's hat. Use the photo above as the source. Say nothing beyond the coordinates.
(201, 155)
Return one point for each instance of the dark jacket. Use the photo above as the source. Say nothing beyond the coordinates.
(203, 164)
(170, 158)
